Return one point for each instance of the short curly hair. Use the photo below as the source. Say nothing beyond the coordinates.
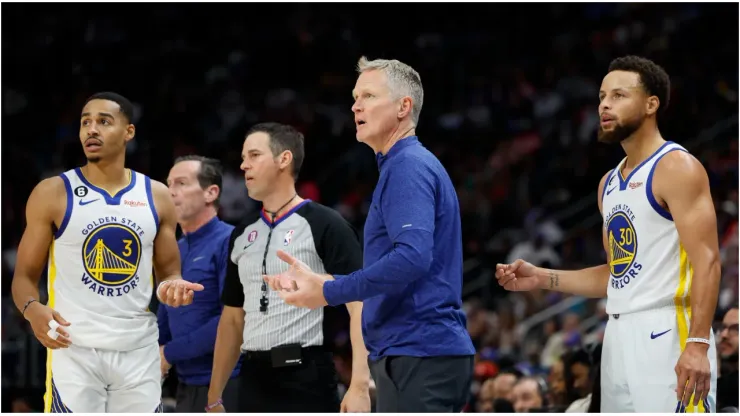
(652, 76)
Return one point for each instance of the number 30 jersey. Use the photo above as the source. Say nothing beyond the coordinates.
(649, 266)
(100, 264)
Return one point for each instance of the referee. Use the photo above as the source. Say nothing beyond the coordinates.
(286, 366)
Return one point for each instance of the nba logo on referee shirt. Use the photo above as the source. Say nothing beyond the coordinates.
(252, 236)
(288, 237)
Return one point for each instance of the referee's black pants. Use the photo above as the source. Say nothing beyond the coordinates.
(422, 384)
(310, 387)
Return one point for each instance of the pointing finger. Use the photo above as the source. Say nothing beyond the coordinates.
(284, 256)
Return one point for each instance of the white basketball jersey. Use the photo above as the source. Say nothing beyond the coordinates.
(649, 267)
(100, 264)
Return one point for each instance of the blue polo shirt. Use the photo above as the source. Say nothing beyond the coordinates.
(411, 281)
(189, 333)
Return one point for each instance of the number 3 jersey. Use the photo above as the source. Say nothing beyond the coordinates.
(100, 264)
(649, 267)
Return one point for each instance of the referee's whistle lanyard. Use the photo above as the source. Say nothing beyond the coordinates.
(264, 301)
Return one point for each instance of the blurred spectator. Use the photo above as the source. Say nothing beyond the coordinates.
(577, 368)
(495, 394)
(727, 385)
(558, 394)
(559, 341)
(528, 394)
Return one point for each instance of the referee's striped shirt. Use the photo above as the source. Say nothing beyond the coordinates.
(311, 232)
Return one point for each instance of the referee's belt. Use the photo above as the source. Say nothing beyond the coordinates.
(306, 352)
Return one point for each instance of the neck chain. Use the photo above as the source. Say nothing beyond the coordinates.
(274, 214)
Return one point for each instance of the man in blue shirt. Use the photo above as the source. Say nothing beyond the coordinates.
(413, 324)
(187, 335)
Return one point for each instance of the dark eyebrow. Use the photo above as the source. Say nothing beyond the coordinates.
(100, 114)
(621, 89)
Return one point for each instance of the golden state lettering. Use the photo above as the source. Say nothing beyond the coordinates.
(622, 241)
(111, 254)
(107, 220)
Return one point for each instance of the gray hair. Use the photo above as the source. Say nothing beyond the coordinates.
(403, 81)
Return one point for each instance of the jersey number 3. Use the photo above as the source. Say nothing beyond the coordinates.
(127, 249)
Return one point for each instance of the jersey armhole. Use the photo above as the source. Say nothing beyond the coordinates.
(649, 188)
(603, 190)
(68, 209)
(150, 198)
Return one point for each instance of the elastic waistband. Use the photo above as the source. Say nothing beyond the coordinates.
(638, 314)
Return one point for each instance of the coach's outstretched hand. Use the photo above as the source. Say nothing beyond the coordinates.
(299, 286)
(177, 292)
(519, 276)
(40, 316)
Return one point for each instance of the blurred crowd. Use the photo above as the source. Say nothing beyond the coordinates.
(510, 109)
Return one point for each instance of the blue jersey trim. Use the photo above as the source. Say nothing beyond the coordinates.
(624, 182)
(150, 198)
(109, 199)
(649, 190)
(68, 210)
(609, 178)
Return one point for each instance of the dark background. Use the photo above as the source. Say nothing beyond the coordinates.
(511, 95)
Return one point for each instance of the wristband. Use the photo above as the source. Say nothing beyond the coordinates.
(211, 406)
(699, 340)
(23, 313)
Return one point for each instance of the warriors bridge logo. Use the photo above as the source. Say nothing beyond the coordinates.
(622, 240)
(111, 255)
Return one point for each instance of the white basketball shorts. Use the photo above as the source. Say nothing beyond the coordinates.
(85, 380)
(638, 363)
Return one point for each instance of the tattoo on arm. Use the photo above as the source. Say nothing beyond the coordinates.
(554, 280)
